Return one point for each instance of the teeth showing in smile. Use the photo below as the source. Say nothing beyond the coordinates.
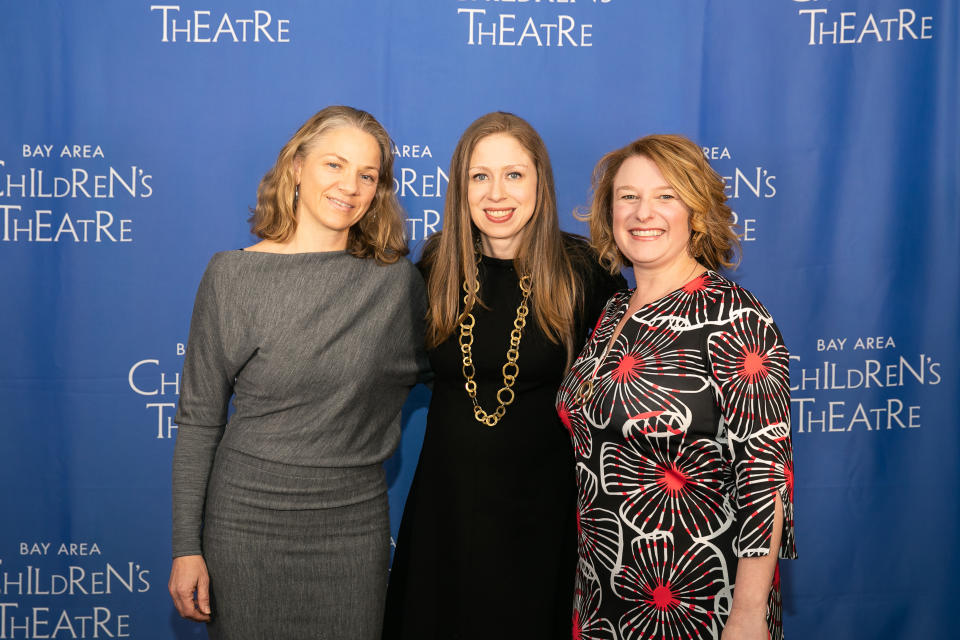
(498, 214)
(646, 233)
(340, 203)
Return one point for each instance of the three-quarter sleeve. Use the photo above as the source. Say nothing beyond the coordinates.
(749, 364)
(205, 390)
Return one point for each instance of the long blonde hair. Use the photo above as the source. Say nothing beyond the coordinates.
(450, 254)
(379, 233)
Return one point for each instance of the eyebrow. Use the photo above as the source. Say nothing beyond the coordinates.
(632, 188)
(509, 166)
(345, 161)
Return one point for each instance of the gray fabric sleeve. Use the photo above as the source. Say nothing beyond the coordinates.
(205, 391)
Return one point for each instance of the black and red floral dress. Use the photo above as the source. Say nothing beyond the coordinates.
(681, 432)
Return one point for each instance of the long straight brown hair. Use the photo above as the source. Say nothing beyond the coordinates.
(450, 254)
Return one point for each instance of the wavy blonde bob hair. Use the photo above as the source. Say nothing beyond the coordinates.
(378, 234)
(713, 240)
(451, 254)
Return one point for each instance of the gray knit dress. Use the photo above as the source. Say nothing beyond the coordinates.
(286, 499)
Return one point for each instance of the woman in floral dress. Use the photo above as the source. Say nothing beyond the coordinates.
(679, 411)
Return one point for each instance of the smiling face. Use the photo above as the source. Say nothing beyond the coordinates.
(651, 225)
(501, 193)
(337, 180)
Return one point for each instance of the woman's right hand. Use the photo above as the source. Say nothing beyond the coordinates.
(190, 587)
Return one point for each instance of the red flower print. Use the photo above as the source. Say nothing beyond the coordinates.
(647, 375)
(668, 483)
(599, 532)
(674, 593)
(691, 304)
(764, 469)
(751, 365)
(587, 623)
(577, 428)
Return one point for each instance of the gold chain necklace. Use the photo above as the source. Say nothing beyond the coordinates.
(510, 370)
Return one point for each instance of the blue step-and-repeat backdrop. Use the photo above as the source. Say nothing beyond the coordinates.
(133, 136)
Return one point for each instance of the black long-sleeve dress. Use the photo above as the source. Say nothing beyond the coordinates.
(487, 544)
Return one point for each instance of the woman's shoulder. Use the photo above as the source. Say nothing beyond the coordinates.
(586, 262)
(223, 260)
(223, 266)
(428, 254)
(219, 277)
(238, 265)
(405, 269)
(737, 298)
(576, 245)
(582, 257)
(399, 279)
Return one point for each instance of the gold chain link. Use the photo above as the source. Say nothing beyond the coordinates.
(510, 370)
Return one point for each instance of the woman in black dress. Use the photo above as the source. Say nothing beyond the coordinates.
(488, 539)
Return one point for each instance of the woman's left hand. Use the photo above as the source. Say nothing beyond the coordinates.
(744, 626)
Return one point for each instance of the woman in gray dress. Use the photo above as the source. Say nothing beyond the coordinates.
(280, 520)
